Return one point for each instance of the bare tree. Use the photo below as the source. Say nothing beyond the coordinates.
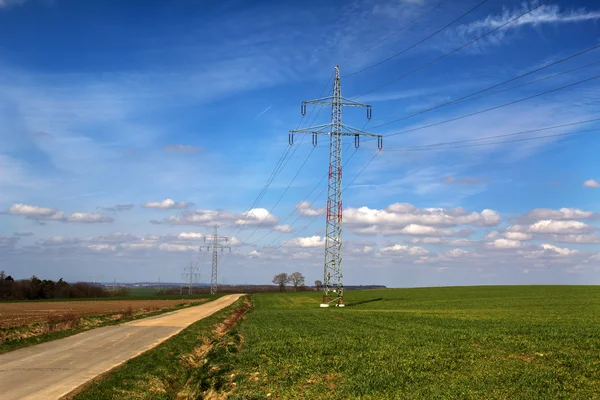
(297, 280)
(281, 279)
(319, 285)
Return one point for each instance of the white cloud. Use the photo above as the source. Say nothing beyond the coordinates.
(198, 217)
(505, 244)
(559, 250)
(167, 204)
(284, 228)
(402, 218)
(552, 226)
(190, 236)
(546, 14)
(558, 215)
(404, 250)
(591, 184)
(254, 254)
(257, 216)
(118, 207)
(138, 246)
(313, 241)
(578, 239)
(517, 235)
(102, 247)
(363, 250)
(57, 241)
(455, 253)
(117, 237)
(492, 235)
(176, 247)
(30, 211)
(549, 250)
(88, 218)
(305, 208)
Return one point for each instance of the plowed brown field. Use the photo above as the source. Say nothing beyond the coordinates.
(18, 314)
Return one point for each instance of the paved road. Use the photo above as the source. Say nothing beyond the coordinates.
(53, 369)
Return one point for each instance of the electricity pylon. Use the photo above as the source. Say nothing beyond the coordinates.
(192, 275)
(333, 285)
(215, 259)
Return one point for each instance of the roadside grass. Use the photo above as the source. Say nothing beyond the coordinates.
(67, 325)
(496, 342)
(194, 364)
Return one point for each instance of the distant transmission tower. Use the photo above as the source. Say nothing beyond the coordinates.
(333, 285)
(191, 274)
(215, 259)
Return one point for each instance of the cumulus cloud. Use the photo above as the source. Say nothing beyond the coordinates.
(578, 239)
(591, 183)
(562, 214)
(549, 250)
(455, 253)
(88, 218)
(404, 250)
(403, 218)
(505, 244)
(34, 212)
(102, 247)
(284, 228)
(517, 236)
(190, 236)
(553, 226)
(117, 237)
(307, 210)
(50, 214)
(197, 217)
(257, 216)
(177, 248)
(492, 235)
(57, 241)
(167, 204)
(313, 241)
(181, 148)
(254, 254)
(138, 246)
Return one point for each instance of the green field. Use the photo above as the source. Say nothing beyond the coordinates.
(518, 342)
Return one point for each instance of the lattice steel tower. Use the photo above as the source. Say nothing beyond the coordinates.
(333, 285)
(215, 258)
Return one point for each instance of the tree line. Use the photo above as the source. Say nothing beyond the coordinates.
(296, 279)
(37, 289)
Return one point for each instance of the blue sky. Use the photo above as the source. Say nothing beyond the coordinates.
(178, 111)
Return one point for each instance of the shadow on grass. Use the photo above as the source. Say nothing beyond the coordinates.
(363, 302)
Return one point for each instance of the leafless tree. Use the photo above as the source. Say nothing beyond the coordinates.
(319, 284)
(281, 279)
(297, 280)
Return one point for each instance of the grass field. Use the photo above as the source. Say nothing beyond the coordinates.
(467, 342)
(436, 343)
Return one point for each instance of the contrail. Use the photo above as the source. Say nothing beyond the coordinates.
(265, 110)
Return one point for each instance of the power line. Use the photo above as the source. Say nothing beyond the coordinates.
(322, 212)
(310, 204)
(469, 96)
(418, 43)
(430, 148)
(492, 108)
(394, 33)
(239, 226)
(453, 51)
(280, 197)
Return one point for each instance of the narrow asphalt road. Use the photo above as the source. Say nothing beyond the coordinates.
(53, 369)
